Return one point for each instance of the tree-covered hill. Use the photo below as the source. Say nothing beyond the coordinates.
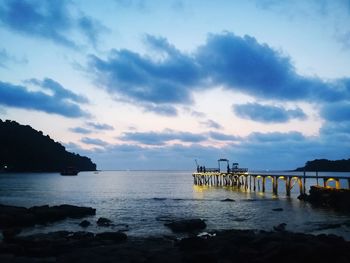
(24, 149)
(324, 165)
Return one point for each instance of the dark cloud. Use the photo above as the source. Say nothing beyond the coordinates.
(160, 138)
(58, 90)
(145, 80)
(211, 124)
(336, 112)
(236, 63)
(20, 97)
(94, 141)
(80, 130)
(100, 126)
(223, 137)
(267, 113)
(47, 19)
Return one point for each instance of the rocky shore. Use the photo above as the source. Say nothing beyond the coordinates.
(223, 246)
(338, 199)
(193, 246)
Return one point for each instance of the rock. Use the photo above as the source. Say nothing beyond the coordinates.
(84, 223)
(114, 236)
(186, 225)
(280, 227)
(9, 233)
(277, 209)
(228, 200)
(102, 221)
(329, 197)
(12, 216)
(192, 243)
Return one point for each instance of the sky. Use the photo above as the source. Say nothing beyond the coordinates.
(158, 84)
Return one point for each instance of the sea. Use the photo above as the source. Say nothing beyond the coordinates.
(141, 202)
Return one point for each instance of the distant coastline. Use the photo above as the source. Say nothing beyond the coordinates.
(24, 149)
(324, 165)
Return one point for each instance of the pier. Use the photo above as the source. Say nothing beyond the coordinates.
(257, 181)
(242, 179)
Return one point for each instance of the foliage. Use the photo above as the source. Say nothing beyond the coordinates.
(24, 149)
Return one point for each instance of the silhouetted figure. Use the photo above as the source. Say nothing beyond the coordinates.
(197, 168)
(228, 168)
(204, 169)
(201, 169)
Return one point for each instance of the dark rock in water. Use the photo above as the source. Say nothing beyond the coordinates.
(114, 236)
(10, 233)
(192, 243)
(186, 225)
(338, 199)
(12, 216)
(102, 221)
(277, 209)
(280, 227)
(84, 223)
(228, 200)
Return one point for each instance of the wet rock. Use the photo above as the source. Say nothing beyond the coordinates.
(114, 236)
(84, 223)
(102, 221)
(228, 200)
(280, 227)
(277, 209)
(10, 233)
(12, 216)
(186, 225)
(192, 243)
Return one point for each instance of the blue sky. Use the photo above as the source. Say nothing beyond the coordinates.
(155, 84)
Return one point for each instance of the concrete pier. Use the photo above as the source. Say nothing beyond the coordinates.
(253, 181)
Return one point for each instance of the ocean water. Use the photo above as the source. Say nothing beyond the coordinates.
(140, 202)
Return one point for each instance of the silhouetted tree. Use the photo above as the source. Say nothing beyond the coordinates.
(23, 149)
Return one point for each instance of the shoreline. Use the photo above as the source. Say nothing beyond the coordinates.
(218, 246)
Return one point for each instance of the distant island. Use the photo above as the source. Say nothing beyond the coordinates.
(324, 165)
(24, 149)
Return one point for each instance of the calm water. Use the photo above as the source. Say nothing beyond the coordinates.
(143, 199)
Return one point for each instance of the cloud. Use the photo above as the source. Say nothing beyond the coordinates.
(236, 63)
(275, 137)
(160, 138)
(92, 29)
(267, 113)
(223, 137)
(48, 20)
(94, 141)
(100, 126)
(211, 124)
(336, 112)
(80, 130)
(160, 109)
(145, 80)
(20, 97)
(6, 57)
(285, 151)
(58, 90)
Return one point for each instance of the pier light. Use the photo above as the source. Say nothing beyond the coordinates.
(259, 176)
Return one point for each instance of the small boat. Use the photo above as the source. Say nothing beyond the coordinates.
(69, 171)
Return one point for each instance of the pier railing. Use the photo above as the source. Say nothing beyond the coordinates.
(257, 181)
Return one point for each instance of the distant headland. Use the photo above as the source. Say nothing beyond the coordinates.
(324, 165)
(24, 149)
